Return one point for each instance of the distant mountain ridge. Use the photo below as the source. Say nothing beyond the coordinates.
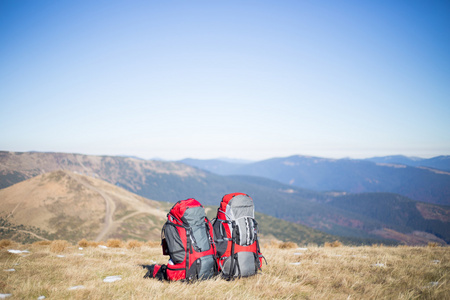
(172, 181)
(216, 166)
(346, 175)
(439, 162)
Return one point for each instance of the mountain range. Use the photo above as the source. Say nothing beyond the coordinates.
(356, 217)
(346, 175)
(439, 162)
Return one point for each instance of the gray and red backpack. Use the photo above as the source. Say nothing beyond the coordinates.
(187, 237)
(236, 237)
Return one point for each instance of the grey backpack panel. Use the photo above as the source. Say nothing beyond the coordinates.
(247, 263)
(241, 206)
(195, 219)
(244, 265)
(203, 268)
(174, 243)
(241, 209)
(194, 216)
(207, 267)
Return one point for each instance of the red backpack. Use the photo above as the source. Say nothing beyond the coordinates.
(187, 237)
(236, 237)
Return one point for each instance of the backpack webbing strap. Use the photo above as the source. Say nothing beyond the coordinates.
(188, 246)
(209, 229)
(231, 274)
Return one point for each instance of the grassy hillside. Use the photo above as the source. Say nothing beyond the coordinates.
(404, 214)
(58, 272)
(65, 205)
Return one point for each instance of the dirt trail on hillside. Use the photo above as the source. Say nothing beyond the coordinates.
(12, 213)
(131, 215)
(110, 207)
(111, 225)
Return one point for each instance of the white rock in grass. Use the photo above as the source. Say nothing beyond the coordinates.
(436, 261)
(60, 255)
(41, 297)
(379, 265)
(102, 246)
(10, 270)
(77, 287)
(3, 296)
(296, 263)
(18, 252)
(302, 249)
(80, 248)
(112, 278)
(14, 252)
(434, 283)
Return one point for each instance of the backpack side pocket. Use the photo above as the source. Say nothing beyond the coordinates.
(175, 246)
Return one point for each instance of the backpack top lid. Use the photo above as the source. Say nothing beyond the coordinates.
(179, 209)
(236, 205)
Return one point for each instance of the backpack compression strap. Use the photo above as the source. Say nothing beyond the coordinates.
(233, 242)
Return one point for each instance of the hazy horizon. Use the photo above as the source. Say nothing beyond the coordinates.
(237, 159)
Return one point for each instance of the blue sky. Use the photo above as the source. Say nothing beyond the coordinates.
(238, 79)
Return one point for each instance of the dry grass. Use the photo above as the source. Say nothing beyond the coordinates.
(5, 243)
(333, 244)
(114, 243)
(85, 243)
(42, 243)
(292, 273)
(153, 244)
(59, 246)
(131, 244)
(288, 245)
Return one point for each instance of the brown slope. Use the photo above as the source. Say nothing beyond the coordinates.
(128, 172)
(71, 206)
